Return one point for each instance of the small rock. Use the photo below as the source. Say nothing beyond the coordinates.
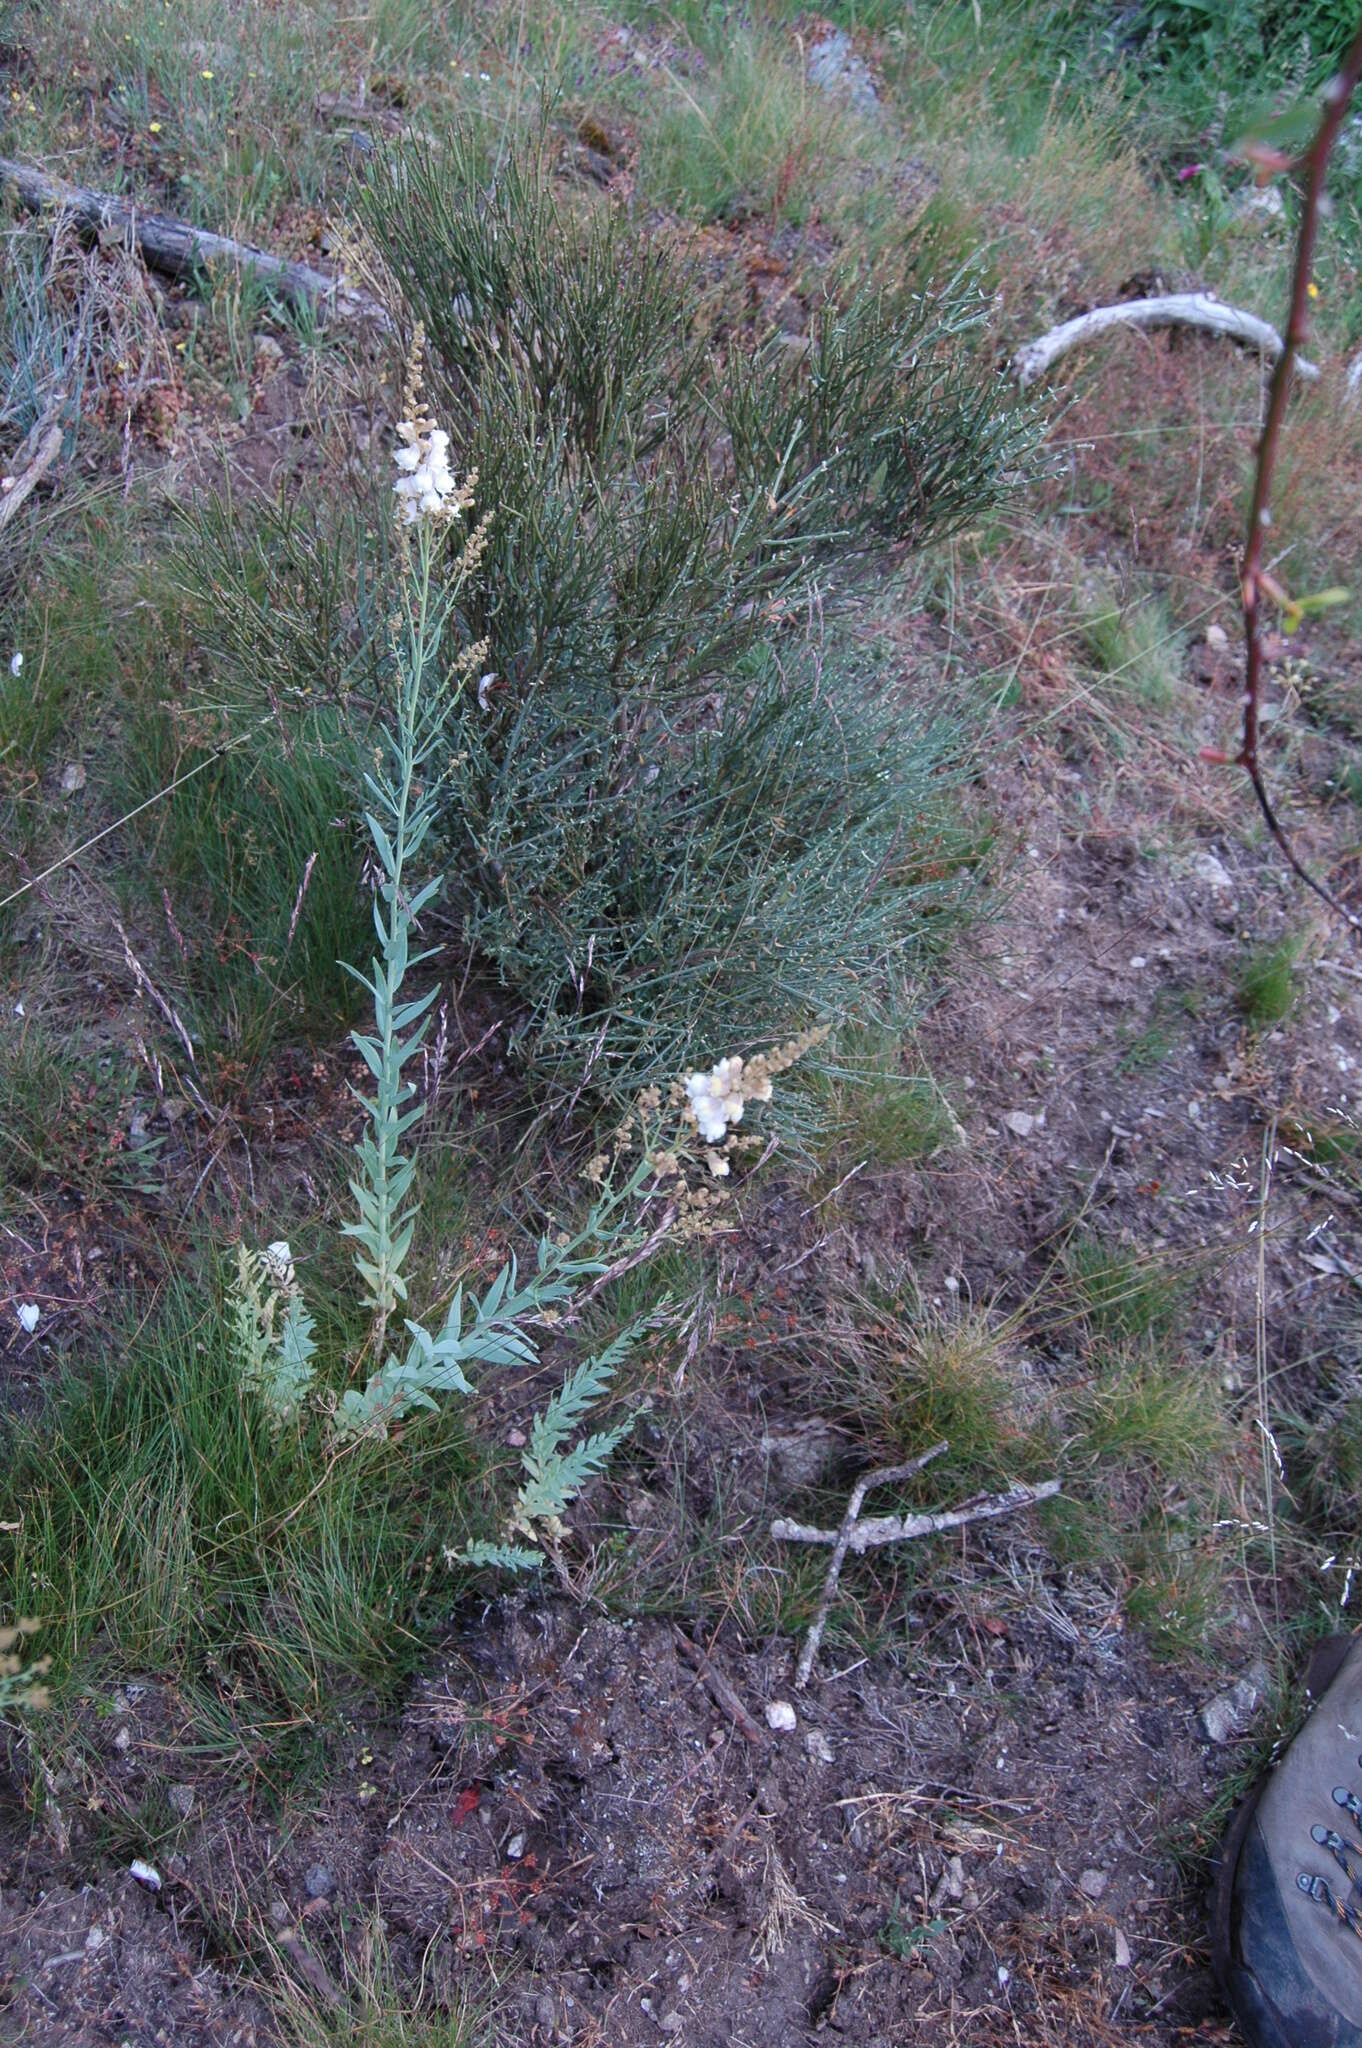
(515, 1848)
(671, 2023)
(146, 1874)
(280, 1914)
(1209, 869)
(781, 1716)
(1217, 638)
(818, 1747)
(1122, 1955)
(1263, 202)
(834, 67)
(801, 1455)
(1021, 1124)
(29, 1315)
(123, 1739)
(546, 2012)
(319, 1882)
(770, 1798)
(1230, 1712)
(1092, 1883)
(180, 1799)
(73, 778)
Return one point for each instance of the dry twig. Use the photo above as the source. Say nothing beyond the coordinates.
(887, 1476)
(1175, 309)
(860, 1536)
(720, 1691)
(37, 455)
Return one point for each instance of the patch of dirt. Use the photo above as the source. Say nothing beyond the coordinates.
(952, 1856)
(91, 1964)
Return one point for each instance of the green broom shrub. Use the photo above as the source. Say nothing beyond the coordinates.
(677, 813)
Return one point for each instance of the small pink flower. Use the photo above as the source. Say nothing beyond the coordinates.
(1190, 171)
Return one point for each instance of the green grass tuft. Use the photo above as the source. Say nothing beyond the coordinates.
(1267, 985)
(1121, 1294)
(154, 1520)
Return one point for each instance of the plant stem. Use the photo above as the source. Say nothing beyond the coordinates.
(1337, 96)
(391, 1090)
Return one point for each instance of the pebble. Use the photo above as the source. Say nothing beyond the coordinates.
(515, 1848)
(1229, 1712)
(1209, 869)
(818, 1746)
(1122, 1955)
(1218, 638)
(1092, 1883)
(319, 1882)
(781, 1717)
(1021, 1124)
(73, 778)
(123, 1738)
(180, 1799)
(834, 67)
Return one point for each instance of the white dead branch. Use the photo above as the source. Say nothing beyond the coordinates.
(35, 457)
(860, 1536)
(176, 246)
(1174, 309)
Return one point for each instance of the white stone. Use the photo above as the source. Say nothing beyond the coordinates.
(29, 1314)
(1218, 638)
(1209, 869)
(781, 1716)
(1230, 1712)
(1021, 1124)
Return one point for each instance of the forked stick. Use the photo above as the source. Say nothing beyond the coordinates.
(860, 1536)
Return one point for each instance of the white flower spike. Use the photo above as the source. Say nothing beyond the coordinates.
(426, 485)
(716, 1098)
(16, 662)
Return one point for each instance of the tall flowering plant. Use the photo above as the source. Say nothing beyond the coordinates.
(646, 1186)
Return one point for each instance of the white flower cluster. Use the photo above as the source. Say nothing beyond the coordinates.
(426, 484)
(716, 1098)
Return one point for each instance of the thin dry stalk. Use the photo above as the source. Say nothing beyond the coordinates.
(1255, 580)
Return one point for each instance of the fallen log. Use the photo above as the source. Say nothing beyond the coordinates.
(1176, 309)
(174, 246)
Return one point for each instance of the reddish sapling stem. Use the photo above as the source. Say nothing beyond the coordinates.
(1255, 579)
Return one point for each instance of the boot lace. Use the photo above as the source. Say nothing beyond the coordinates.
(1347, 1855)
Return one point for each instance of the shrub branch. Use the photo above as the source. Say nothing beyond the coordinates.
(1255, 579)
